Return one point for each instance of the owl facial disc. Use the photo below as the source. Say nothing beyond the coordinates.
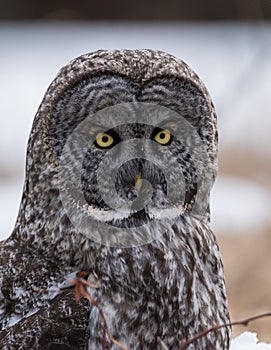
(140, 180)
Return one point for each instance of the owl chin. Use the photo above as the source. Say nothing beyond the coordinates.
(145, 216)
(135, 218)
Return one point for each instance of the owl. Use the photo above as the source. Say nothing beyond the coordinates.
(120, 163)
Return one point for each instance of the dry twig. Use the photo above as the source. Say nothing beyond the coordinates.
(81, 291)
(80, 285)
(245, 322)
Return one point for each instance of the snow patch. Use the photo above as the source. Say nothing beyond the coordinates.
(10, 197)
(248, 341)
(239, 206)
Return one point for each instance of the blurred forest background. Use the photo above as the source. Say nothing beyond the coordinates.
(185, 10)
(227, 42)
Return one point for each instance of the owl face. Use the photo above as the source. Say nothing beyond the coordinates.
(133, 157)
(126, 159)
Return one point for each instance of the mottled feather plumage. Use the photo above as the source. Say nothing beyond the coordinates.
(172, 287)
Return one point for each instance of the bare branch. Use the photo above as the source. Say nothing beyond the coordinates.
(81, 291)
(185, 343)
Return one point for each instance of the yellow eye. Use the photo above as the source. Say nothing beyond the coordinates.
(104, 140)
(163, 137)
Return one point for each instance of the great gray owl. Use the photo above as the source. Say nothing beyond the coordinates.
(120, 163)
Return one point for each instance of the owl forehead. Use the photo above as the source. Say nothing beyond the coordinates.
(133, 130)
(96, 93)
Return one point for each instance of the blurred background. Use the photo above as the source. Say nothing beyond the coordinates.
(227, 42)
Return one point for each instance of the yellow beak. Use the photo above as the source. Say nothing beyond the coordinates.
(138, 182)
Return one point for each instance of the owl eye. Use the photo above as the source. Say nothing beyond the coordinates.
(163, 137)
(104, 140)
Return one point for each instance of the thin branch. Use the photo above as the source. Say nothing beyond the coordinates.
(94, 303)
(245, 322)
(81, 291)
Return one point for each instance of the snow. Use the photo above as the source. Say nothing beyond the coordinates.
(11, 191)
(248, 341)
(239, 206)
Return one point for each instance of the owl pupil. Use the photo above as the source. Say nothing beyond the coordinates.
(162, 135)
(105, 139)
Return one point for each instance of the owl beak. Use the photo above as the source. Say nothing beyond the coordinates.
(138, 182)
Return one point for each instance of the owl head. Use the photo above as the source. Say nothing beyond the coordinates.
(126, 142)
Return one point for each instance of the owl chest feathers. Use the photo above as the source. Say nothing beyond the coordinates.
(163, 289)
